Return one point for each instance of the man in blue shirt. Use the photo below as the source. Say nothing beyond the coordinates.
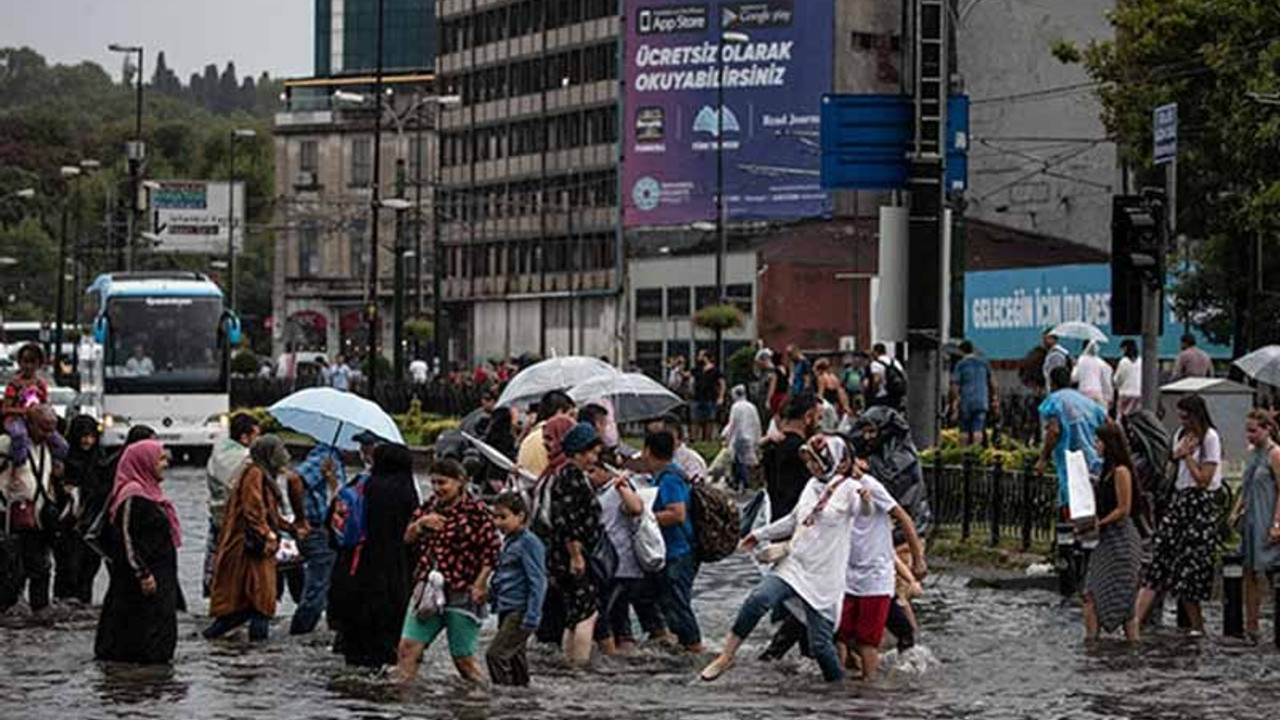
(672, 509)
(310, 487)
(973, 392)
(1071, 422)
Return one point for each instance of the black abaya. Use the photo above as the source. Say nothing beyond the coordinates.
(134, 627)
(367, 606)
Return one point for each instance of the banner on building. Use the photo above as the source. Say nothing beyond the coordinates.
(1007, 310)
(190, 216)
(777, 63)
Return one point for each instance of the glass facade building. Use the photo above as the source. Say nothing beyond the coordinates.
(346, 38)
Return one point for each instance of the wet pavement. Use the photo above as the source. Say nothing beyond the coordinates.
(984, 654)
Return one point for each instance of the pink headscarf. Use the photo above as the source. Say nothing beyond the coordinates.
(136, 476)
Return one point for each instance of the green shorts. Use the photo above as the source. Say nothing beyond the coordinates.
(461, 627)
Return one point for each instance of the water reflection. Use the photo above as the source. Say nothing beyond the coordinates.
(985, 654)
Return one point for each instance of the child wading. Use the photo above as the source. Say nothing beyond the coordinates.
(518, 589)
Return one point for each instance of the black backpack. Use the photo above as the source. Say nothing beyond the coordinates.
(895, 381)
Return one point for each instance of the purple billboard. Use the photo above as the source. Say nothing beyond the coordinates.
(777, 62)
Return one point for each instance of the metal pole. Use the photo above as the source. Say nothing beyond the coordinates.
(397, 309)
(721, 239)
(437, 269)
(1153, 298)
(418, 259)
(231, 226)
(372, 311)
(573, 266)
(59, 277)
(135, 170)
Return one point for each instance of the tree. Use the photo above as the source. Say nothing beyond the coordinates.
(1208, 56)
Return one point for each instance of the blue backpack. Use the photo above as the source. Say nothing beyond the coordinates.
(346, 517)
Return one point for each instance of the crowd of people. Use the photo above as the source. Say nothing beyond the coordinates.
(588, 534)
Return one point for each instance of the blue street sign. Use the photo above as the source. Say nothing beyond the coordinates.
(866, 142)
(1164, 129)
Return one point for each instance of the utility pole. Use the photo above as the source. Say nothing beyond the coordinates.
(397, 311)
(930, 87)
(373, 319)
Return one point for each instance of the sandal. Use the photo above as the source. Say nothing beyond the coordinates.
(718, 667)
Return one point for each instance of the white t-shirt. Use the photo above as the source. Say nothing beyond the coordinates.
(18, 482)
(690, 462)
(1210, 451)
(418, 371)
(1093, 375)
(140, 366)
(815, 568)
(879, 367)
(871, 569)
(1128, 377)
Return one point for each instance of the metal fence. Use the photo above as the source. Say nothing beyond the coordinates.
(993, 503)
(438, 397)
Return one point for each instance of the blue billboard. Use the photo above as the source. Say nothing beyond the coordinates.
(1006, 310)
(777, 62)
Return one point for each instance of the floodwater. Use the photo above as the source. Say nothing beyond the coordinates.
(984, 654)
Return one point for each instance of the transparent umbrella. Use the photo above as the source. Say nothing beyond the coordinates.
(1078, 330)
(334, 417)
(1262, 364)
(559, 373)
(634, 396)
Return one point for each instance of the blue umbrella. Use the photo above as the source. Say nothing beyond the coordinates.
(334, 417)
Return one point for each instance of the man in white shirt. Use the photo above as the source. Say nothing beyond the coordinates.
(742, 435)
(26, 489)
(139, 364)
(418, 371)
(881, 363)
(869, 578)
(1128, 379)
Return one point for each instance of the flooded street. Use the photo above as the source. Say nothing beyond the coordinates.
(985, 654)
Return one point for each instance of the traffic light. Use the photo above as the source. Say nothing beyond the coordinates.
(1137, 256)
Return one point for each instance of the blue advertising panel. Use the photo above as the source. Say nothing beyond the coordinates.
(1006, 310)
(866, 141)
(777, 62)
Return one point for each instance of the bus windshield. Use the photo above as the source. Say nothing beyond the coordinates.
(165, 345)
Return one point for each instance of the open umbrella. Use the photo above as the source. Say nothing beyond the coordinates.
(502, 462)
(634, 396)
(559, 373)
(334, 417)
(1262, 364)
(1078, 330)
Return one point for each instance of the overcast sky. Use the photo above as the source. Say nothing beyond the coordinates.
(270, 35)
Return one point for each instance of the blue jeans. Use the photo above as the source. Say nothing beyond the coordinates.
(676, 597)
(772, 592)
(259, 625)
(319, 558)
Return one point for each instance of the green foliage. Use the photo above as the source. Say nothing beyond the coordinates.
(1208, 56)
(742, 366)
(266, 421)
(1009, 453)
(419, 330)
(719, 317)
(1066, 51)
(244, 362)
(52, 115)
(423, 428)
(28, 284)
(383, 365)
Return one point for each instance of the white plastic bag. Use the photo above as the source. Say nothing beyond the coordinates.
(1079, 489)
(651, 549)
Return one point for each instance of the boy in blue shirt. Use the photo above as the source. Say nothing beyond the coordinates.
(671, 508)
(518, 588)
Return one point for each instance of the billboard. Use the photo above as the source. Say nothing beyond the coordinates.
(190, 216)
(1006, 310)
(773, 87)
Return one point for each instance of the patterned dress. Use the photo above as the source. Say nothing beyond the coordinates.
(574, 515)
(1112, 578)
(1184, 559)
(468, 542)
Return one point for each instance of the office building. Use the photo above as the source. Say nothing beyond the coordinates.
(346, 36)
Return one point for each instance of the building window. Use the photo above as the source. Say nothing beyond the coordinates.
(309, 250)
(649, 358)
(309, 157)
(649, 303)
(705, 296)
(740, 295)
(361, 162)
(678, 302)
(418, 159)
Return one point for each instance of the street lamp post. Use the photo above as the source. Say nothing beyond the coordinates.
(722, 238)
(231, 213)
(136, 152)
(373, 319)
(68, 172)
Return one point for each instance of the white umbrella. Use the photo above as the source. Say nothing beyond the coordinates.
(1078, 330)
(502, 462)
(1262, 364)
(334, 417)
(559, 373)
(634, 396)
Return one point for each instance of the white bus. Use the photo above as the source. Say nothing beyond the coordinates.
(159, 356)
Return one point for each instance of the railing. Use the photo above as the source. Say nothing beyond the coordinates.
(993, 503)
(436, 397)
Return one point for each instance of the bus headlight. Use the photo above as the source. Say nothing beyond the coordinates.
(221, 419)
(108, 421)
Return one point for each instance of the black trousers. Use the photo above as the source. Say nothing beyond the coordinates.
(37, 564)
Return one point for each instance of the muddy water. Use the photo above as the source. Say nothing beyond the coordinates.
(985, 654)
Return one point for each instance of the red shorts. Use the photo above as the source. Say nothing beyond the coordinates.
(863, 619)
